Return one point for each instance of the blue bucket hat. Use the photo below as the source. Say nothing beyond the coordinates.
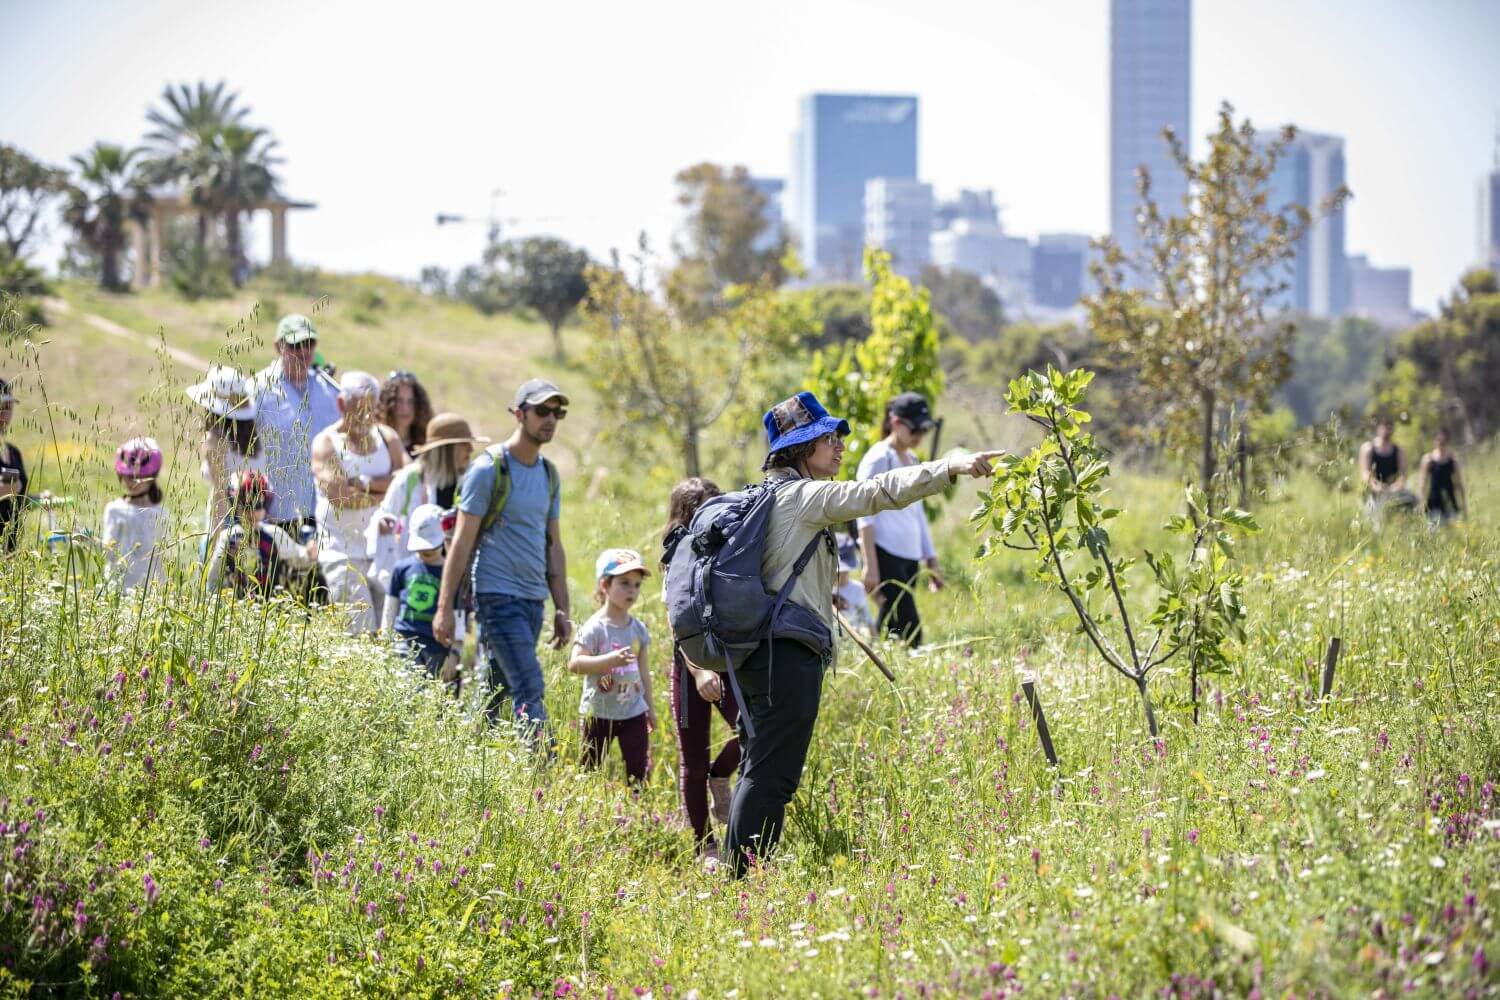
(798, 420)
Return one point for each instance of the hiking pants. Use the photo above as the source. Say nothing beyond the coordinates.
(635, 744)
(510, 627)
(898, 607)
(694, 717)
(782, 682)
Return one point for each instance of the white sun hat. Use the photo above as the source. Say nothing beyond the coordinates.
(224, 392)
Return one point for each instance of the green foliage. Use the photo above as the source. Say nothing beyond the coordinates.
(964, 304)
(1334, 367)
(724, 231)
(900, 355)
(1196, 334)
(21, 285)
(1051, 502)
(197, 273)
(111, 192)
(546, 274)
(837, 313)
(28, 190)
(1446, 369)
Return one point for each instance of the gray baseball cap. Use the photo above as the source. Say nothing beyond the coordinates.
(294, 329)
(536, 391)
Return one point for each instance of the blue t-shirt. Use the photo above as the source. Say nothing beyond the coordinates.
(512, 557)
(414, 588)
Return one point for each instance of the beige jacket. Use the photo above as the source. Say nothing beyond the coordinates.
(807, 506)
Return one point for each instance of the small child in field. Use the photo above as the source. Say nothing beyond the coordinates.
(134, 523)
(610, 653)
(411, 602)
(251, 556)
(849, 594)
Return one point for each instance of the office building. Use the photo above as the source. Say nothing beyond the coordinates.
(976, 206)
(898, 219)
(1150, 74)
(1059, 267)
(984, 249)
(1310, 170)
(1382, 294)
(771, 188)
(843, 141)
(1489, 216)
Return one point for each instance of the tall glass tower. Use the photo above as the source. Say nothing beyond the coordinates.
(1150, 75)
(843, 142)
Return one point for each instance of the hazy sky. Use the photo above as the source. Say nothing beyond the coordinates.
(391, 112)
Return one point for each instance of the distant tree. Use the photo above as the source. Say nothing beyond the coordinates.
(434, 281)
(1334, 367)
(900, 355)
(1196, 335)
(28, 188)
(667, 370)
(1445, 371)
(837, 313)
(546, 274)
(183, 144)
(239, 173)
(110, 193)
(969, 306)
(725, 233)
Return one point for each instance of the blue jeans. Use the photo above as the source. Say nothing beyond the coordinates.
(510, 628)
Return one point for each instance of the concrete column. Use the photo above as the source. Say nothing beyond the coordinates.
(139, 264)
(278, 234)
(153, 278)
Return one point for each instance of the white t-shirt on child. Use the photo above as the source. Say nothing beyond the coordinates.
(132, 540)
(626, 697)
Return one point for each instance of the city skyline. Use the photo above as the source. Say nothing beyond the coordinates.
(584, 135)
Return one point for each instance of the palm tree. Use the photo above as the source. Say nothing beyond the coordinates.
(111, 192)
(239, 175)
(182, 139)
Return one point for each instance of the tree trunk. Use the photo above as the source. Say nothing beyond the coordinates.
(691, 462)
(109, 263)
(1146, 703)
(1208, 460)
(1244, 464)
(202, 240)
(236, 249)
(557, 343)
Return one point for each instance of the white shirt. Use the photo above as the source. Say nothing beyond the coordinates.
(341, 530)
(132, 537)
(902, 532)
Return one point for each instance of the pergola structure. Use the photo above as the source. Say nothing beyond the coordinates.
(147, 243)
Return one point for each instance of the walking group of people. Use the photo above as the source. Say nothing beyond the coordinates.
(1383, 472)
(353, 491)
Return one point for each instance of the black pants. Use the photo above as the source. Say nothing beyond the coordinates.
(782, 682)
(898, 606)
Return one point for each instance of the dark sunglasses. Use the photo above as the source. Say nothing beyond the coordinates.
(560, 412)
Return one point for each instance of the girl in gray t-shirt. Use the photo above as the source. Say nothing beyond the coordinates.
(610, 652)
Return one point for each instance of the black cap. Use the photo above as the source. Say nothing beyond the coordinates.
(912, 407)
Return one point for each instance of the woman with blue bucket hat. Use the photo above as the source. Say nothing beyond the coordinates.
(782, 679)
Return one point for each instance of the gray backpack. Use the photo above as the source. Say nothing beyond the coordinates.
(718, 604)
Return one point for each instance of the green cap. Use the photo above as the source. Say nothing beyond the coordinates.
(294, 329)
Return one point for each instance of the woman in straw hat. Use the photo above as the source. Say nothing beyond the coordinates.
(433, 478)
(230, 444)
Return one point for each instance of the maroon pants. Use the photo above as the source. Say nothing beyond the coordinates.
(693, 715)
(635, 744)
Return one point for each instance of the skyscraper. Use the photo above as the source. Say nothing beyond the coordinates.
(898, 219)
(1310, 170)
(1150, 73)
(843, 141)
(1489, 215)
(1382, 294)
(1059, 265)
(771, 189)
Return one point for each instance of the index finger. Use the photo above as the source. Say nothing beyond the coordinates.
(990, 454)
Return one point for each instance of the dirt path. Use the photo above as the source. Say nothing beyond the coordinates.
(109, 326)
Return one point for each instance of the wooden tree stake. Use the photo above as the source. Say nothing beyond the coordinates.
(1042, 732)
(1330, 660)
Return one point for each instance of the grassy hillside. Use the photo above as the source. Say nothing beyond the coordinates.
(219, 799)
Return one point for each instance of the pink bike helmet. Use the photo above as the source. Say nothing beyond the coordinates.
(139, 458)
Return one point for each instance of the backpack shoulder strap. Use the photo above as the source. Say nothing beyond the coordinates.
(554, 482)
(500, 492)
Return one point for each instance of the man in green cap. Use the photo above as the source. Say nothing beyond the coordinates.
(294, 402)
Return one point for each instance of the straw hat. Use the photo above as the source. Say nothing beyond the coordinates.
(448, 428)
(225, 393)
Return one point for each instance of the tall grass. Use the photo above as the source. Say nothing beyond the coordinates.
(207, 797)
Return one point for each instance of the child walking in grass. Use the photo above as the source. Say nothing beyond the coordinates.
(696, 694)
(134, 523)
(412, 600)
(251, 557)
(610, 653)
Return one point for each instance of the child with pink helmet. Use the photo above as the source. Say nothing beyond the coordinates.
(134, 524)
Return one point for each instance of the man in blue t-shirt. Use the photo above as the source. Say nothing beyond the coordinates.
(519, 559)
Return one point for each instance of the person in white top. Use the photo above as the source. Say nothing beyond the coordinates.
(133, 524)
(352, 463)
(448, 444)
(897, 544)
(230, 444)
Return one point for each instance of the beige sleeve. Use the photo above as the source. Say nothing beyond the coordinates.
(824, 503)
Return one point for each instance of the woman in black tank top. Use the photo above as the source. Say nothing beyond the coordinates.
(1442, 482)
